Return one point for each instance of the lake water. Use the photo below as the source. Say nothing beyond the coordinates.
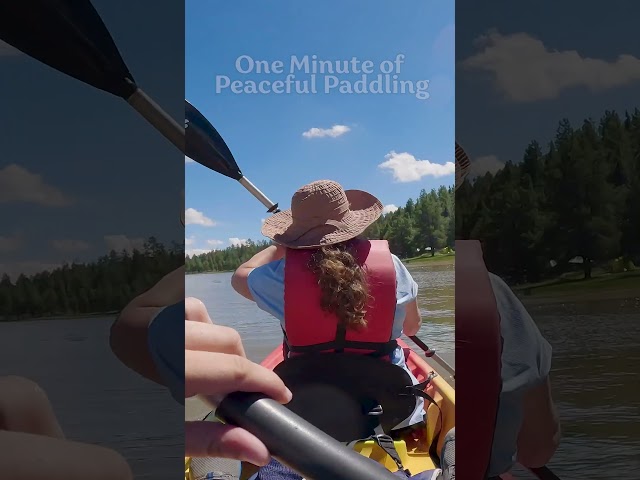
(596, 357)
(96, 399)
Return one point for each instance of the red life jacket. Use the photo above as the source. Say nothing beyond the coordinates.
(308, 328)
(478, 360)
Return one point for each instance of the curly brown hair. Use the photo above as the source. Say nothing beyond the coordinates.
(343, 283)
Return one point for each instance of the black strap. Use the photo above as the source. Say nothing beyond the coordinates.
(385, 442)
(418, 390)
(378, 349)
(433, 448)
(341, 338)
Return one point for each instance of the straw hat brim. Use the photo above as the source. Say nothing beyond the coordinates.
(363, 211)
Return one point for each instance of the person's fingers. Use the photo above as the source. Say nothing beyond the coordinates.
(209, 439)
(210, 373)
(212, 338)
(195, 311)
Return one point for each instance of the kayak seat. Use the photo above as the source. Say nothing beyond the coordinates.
(348, 396)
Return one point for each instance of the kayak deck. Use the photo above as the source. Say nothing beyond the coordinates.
(414, 447)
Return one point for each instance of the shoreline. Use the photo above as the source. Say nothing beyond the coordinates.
(208, 271)
(620, 292)
(445, 259)
(78, 316)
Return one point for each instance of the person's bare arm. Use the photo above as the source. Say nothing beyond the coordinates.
(239, 281)
(412, 320)
(26, 456)
(128, 339)
(539, 434)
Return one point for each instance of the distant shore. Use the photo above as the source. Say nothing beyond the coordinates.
(427, 259)
(208, 271)
(607, 293)
(69, 316)
(621, 289)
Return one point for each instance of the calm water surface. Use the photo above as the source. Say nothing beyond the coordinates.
(96, 399)
(595, 359)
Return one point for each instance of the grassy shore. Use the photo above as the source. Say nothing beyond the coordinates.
(601, 288)
(606, 281)
(438, 258)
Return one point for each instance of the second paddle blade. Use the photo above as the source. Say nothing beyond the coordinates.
(69, 36)
(205, 145)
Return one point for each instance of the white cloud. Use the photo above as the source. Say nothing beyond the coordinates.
(189, 242)
(10, 244)
(406, 168)
(262, 220)
(335, 131)
(195, 217)
(19, 185)
(486, 164)
(188, 160)
(236, 242)
(389, 209)
(526, 70)
(14, 270)
(197, 251)
(7, 50)
(122, 242)
(443, 47)
(69, 245)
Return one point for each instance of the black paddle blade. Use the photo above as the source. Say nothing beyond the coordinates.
(69, 36)
(204, 144)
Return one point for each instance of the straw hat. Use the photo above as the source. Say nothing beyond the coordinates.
(323, 213)
(463, 165)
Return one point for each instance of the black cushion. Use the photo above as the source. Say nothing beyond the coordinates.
(336, 391)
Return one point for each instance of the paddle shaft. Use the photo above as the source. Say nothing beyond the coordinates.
(432, 354)
(295, 442)
(156, 116)
(273, 207)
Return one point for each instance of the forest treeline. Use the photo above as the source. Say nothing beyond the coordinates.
(578, 197)
(422, 225)
(105, 285)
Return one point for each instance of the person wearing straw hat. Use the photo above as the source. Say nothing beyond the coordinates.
(527, 429)
(322, 232)
(332, 290)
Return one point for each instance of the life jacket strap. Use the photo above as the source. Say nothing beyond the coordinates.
(385, 442)
(339, 344)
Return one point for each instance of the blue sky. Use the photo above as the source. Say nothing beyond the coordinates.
(80, 171)
(537, 66)
(356, 133)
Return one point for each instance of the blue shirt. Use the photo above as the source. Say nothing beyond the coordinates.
(165, 340)
(526, 361)
(266, 284)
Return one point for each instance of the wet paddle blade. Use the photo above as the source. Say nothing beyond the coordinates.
(69, 36)
(205, 145)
